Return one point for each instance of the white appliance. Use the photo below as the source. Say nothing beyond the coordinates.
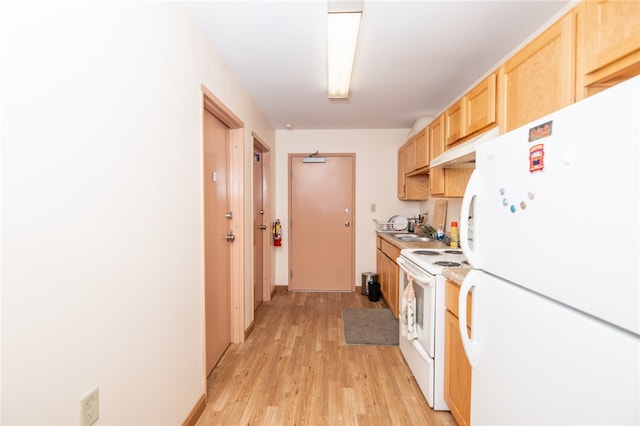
(555, 316)
(425, 354)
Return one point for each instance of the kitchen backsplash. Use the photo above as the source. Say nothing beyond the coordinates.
(454, 206)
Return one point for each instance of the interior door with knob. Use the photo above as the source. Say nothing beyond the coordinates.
(259, 230)
(218, 239)
(321, 228)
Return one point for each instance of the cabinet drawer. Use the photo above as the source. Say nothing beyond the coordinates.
(451, 293)
(389, 249)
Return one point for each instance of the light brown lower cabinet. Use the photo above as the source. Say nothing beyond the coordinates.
(457, 370)
(388, 273)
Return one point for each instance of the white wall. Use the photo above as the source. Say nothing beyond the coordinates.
(102, 208)
(376, 182)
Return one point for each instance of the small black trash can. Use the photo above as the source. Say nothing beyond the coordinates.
(374, 291)
(367, 277)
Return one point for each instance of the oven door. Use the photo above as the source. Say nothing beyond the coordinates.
(424, 286)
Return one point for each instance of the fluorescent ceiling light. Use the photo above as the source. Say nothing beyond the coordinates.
(343, 35)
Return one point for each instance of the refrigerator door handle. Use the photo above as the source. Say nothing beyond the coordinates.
(465, 212)
(469, 344)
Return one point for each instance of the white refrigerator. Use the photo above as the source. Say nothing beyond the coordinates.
(555, 315)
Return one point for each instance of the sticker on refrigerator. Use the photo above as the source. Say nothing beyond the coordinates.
(536, 158)
(541, 131)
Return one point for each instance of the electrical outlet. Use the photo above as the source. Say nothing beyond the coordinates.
(89, 408)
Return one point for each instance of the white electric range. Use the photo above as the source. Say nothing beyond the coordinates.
(425, 354)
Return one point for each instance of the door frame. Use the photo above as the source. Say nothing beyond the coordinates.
(267, 281)
(236, 190)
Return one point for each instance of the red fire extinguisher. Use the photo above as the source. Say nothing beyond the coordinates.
(276, 231)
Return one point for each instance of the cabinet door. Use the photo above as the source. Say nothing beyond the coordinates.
(610, 42)
(410, 187)
(457, 372)
(455, 181)
(436, 138)
(401, 175)
(480, 106)
(417, 187)
(422, 149)
(380, 266)
(382, 261)
(539, 79)
(394, 287)
(410, 156)
(453, 123)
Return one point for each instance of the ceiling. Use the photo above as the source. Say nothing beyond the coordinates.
(414, 58)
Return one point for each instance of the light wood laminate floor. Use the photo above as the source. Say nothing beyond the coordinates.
(295, 369)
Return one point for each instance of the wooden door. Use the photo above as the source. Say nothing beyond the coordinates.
(259, 228)
(321, 228)
(217, 249)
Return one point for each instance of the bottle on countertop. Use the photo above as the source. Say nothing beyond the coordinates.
(439, 233)
(454, 234)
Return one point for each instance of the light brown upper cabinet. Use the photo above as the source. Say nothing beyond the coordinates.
(539, 79)
(401, 182)
(474, 112)
(480, 106)
(410, 187)
(416, 153)
(437, 143)
(444, 182)
(449, 182)
(609, 44)
(435, 133)
(422, 149)
(454, 117)
(410, 155)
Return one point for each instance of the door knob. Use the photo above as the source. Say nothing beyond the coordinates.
(262, 226)
(230, 237)
(347, 223)
(229, 215)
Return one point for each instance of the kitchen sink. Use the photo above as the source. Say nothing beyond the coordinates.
(411, 237)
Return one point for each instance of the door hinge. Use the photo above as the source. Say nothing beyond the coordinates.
(290, 274)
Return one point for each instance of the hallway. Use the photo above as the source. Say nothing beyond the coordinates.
(296, 369)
